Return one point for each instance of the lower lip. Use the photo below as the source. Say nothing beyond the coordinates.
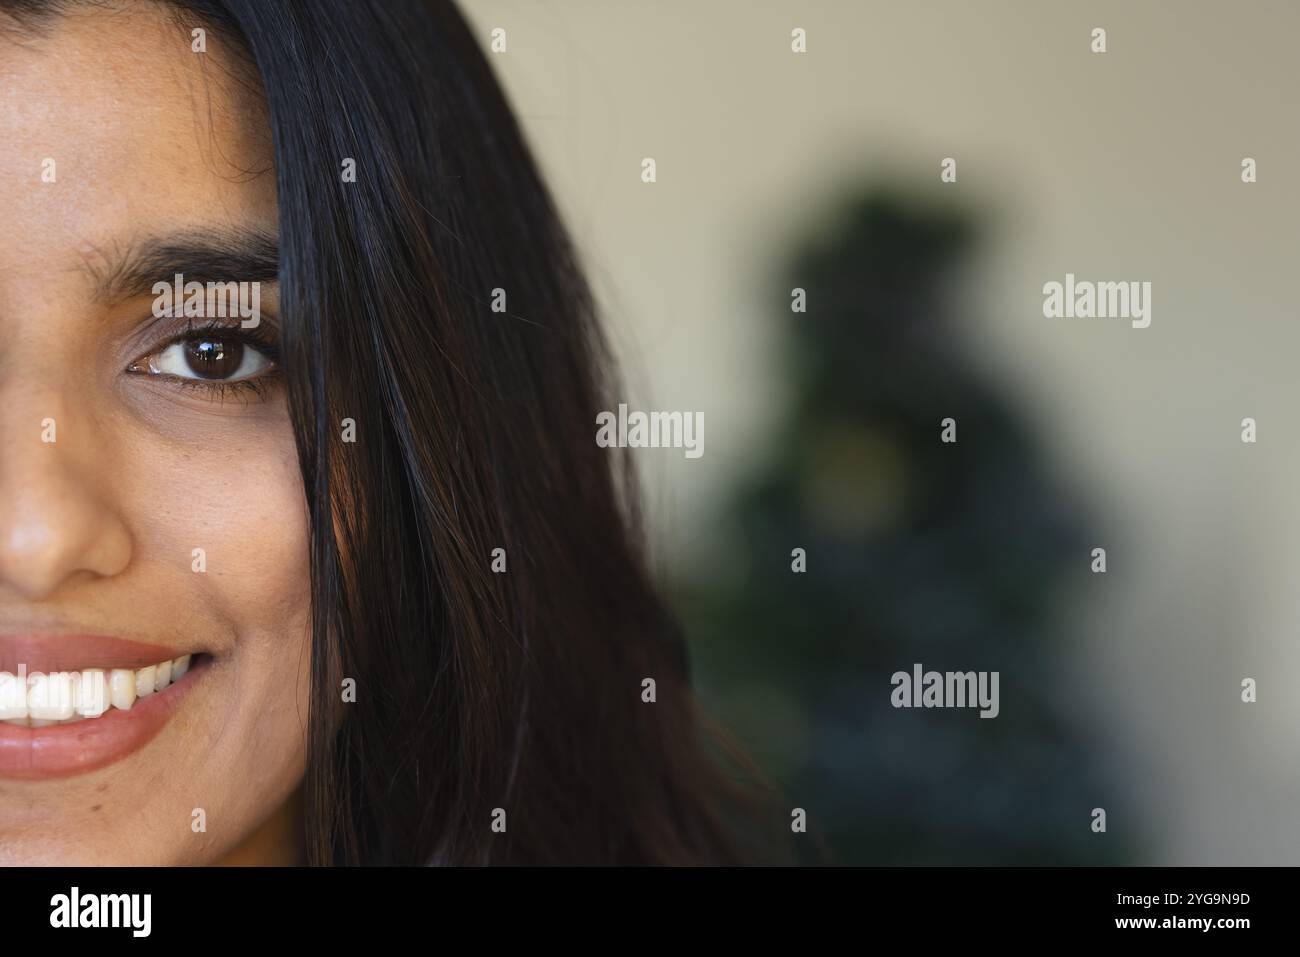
(62, 750)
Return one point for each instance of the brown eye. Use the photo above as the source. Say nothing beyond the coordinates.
(207, 357)
(211, 358)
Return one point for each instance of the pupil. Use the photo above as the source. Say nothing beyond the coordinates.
(214, 358)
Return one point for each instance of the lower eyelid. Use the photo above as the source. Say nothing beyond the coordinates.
(257, 388)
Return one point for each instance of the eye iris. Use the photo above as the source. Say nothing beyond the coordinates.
(214, 358)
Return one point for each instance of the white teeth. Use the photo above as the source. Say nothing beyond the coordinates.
(13, 698)
(92, 694)
(144, 679)
(49, 697)
(121, 688)
(38, 700)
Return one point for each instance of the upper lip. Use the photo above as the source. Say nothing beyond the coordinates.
(77, 652)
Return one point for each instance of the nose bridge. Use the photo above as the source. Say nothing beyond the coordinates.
(55, 522)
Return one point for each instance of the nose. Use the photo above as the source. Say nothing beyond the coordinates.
(55, 525)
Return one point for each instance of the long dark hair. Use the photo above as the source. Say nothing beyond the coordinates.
(473, 430)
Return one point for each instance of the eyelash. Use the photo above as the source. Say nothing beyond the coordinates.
(217, 390)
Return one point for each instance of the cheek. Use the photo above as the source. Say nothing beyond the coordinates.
(225, 508)
(233, 489)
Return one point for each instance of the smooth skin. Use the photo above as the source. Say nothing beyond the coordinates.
(97, 529)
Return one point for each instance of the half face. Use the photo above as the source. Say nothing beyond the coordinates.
(153, 530)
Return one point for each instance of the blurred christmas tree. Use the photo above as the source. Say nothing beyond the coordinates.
(947, 555)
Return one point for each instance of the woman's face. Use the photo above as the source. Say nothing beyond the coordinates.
(126, 157)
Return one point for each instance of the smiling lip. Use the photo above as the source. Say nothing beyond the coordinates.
(47, 653)
(62, 750)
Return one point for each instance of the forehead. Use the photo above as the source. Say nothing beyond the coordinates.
(138, 131)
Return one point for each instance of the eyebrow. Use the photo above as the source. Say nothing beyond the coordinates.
(228, 255)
